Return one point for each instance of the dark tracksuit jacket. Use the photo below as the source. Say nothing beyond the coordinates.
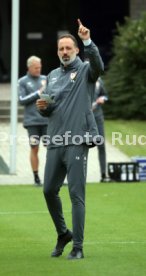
(72, 88)
(28, 87)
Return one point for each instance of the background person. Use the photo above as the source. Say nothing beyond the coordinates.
(72, 87)
(30, 88)
(100, 97)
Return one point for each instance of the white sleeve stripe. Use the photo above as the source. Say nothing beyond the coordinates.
(28, 97)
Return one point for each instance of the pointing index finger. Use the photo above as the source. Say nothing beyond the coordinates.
(79, 22)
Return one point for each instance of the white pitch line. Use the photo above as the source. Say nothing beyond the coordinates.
(22, 213)
(4, 213)
(114, 242)
(86, 243)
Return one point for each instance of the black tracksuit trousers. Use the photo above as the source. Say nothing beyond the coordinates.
(71, 161)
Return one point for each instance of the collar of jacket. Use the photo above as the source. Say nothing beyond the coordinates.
(74, 65)
(33, 77)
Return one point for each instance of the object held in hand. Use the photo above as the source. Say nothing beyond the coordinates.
(47, 98)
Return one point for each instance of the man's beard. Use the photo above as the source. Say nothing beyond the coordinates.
(67, 60)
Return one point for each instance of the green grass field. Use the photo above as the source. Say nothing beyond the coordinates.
(115, 232)
(134, 144)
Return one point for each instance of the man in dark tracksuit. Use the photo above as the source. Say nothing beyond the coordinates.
(70, 121)
(100, 96)
(30, 88)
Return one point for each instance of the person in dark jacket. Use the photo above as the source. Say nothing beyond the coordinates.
(71, 130)
(100, 97)
(30, 88)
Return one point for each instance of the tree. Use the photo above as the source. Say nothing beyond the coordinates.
(125, 78)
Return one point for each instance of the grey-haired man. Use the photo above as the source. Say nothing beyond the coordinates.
(30, 87)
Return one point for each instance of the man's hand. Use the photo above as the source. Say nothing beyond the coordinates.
(41, 104)
(83, 32)
(100, 100)
(41, 90)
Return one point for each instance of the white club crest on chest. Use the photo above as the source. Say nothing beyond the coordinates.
(73, 76)
(30, 84)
